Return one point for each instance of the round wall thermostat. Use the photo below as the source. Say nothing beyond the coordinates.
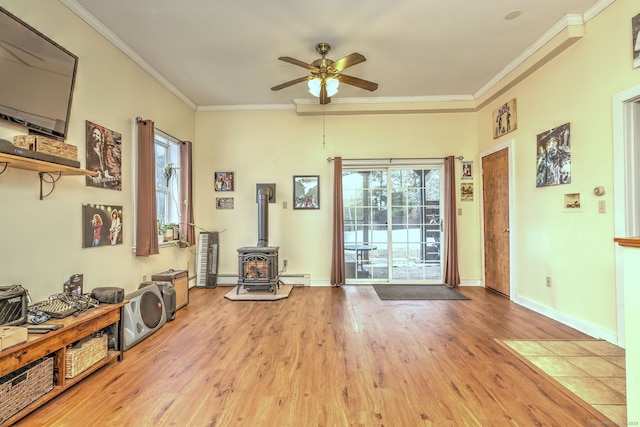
(598, 191)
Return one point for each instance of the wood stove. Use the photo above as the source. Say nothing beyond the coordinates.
(258, 265)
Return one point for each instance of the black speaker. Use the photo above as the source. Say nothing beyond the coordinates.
(168, 297)
(143, 315)
(13, 305)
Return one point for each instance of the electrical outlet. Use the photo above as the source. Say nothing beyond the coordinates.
(285, 263)
(548, 281)
(284, 205)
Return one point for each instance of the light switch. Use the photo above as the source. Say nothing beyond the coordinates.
(602, 207)
(284, 205)
(459, 211)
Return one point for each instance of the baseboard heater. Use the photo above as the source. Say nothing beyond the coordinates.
(287, 279)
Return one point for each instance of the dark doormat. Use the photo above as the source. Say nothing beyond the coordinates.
(417, 292)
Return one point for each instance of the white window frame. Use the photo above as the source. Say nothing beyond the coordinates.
(171, 193)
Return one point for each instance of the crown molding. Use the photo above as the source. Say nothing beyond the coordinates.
(410, 104)
(124, 48)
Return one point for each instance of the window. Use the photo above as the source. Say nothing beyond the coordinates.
(167, 150)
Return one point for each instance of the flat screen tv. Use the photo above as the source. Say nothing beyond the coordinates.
(37, 76)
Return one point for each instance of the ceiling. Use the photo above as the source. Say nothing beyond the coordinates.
(225, 52)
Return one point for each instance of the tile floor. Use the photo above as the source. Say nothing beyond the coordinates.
(593, 370)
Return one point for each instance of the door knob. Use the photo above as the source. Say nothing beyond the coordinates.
(505, 230)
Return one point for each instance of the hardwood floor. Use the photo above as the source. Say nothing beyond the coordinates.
(328, 357)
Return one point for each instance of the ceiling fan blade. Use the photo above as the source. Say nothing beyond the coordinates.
(348, 61)
(291, 83)
(298, 63)
(324, 99)
(355, 81)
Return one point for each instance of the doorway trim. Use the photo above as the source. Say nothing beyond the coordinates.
(626, 172)
(512, 235)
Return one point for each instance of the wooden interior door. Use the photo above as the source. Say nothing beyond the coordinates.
(495, 190)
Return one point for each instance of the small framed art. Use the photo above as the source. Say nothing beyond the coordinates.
(306, 192)
(224, 181)
(467, 170)
(505, 119)
(224, 202)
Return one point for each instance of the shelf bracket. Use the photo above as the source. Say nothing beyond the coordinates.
(6, 165)
(51, 180)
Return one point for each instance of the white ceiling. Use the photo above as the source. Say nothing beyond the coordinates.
(225, 52)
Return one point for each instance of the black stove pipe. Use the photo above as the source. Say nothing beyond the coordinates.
(264, 193)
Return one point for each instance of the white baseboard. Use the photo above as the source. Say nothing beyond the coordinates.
(471, 282)
(578, 324)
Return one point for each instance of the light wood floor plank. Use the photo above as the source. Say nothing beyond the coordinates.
(327, 357)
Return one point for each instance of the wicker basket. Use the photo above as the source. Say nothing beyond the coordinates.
(24, 386)
(83, 356)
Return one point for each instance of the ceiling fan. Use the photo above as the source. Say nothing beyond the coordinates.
(326, 74)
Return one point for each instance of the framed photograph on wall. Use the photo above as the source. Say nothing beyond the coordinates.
(306, 192)
(224, 181)
(467, 170)
(466, 192)
(101, 225)
(505, 119)
(224, 202)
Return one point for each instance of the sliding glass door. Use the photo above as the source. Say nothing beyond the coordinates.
(392, 223)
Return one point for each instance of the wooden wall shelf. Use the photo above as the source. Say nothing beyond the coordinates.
(53, 171)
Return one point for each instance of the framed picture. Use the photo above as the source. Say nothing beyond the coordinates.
(553, 161)
(505, 119)
(224, 202)
(467, 170)
(104, 156)
(572, 202)
(466, 192)
(224, 181)
(635, 34)
(306, 192)
(101, 225)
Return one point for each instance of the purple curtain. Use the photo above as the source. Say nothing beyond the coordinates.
(146, 221)
(186, 195)
(338, 274)
(451, 274)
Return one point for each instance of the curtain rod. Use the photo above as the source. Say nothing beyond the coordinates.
(391, 159)
(140, 119)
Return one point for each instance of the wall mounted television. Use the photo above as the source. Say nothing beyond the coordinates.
(37, 77)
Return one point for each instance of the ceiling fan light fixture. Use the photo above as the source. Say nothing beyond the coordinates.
(332, 86)
(315, 86)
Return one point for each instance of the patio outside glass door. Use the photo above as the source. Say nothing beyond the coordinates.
(392, 223)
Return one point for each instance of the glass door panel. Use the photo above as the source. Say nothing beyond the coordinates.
(392, 224)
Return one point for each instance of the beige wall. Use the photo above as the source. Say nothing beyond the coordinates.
(575, 249)
(273, 146)
(43, 238)
(41, 241)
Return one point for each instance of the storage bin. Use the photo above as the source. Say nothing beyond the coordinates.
(82, 356)
(24, 386)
